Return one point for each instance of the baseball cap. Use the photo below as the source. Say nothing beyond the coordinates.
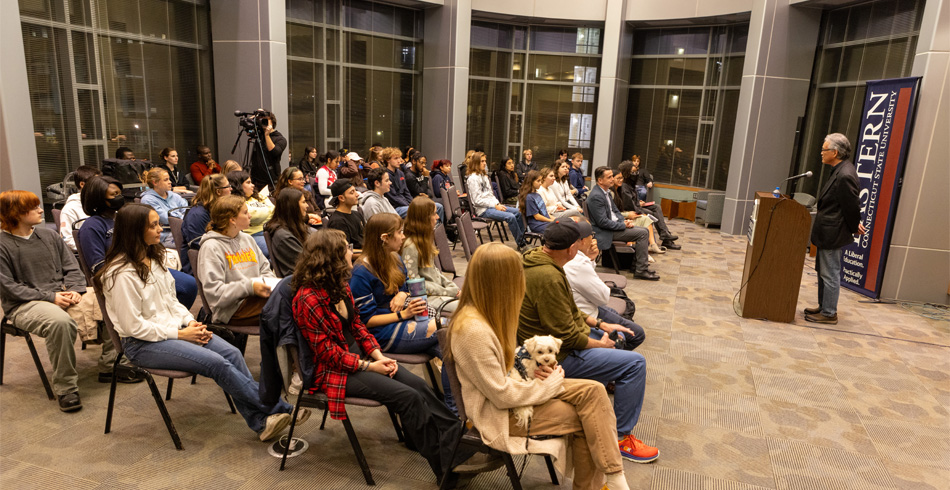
(584, 229)
(561, 234)
(340, 187)
(353, 156)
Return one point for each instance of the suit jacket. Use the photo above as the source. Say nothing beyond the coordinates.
(598, 203)
(839, 209)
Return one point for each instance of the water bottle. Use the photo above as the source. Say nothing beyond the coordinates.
(417, 289)
(777, 192)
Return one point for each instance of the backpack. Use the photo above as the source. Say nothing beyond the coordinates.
(617, 292)
(125, 171)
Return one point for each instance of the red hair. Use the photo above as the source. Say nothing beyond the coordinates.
(14, 204)
(436, 165)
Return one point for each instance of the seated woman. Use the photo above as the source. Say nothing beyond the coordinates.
(326, 175)
(441, 176)
(158, 332)
(288, 229)
(555, 208)
(325, 313)
(293, 177)
(562, 186)
(508, 181)
(486, 204)
(101, 198)
(641, 220)
(419, 252)
(259, 208)
(161, 198)
(482, 344)
(196, 220)
(535, 211)
(231, 267)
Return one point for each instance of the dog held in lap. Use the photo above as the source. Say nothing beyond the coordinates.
(536, 352)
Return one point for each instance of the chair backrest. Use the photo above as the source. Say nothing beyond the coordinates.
(446, 264)
(496, 187)
(448, 367)
(110, 327)
(463, 173)
(270, 246)
(174, 224)
(83, 266)
(57, 213)
(452, 204)
(584, 207)
(193, 260)
(469, 241)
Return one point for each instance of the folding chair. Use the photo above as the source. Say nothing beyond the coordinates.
(467, 232)
(8, 328)
(457, 211)
(531, 236)
(174, 225)
(445, 261)
(241, 331)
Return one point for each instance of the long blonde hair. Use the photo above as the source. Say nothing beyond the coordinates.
(485, 298)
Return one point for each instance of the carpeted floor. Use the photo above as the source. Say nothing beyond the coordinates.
(731, 404)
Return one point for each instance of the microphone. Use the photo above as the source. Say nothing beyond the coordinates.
(796, 177)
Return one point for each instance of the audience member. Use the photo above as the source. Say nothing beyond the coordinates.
(326, 314)
(535, 211)
(308, 163)
(205, 165)
(40, 282)
(288, 229)
(485, 203)
(641, 220)
(548, 309)
(350, 165)
(508, 181)
(419, 253)
(547, 191)
(630, 194)
(441, 176)
(562, 186)
(231, 267)
(293, 177)
(482, 343)
(259, 208)
(417, 177)
(326, 175)
(158, 332)
(527, 164)
(561, 158)
(591, 293)
(398, 194)
(196, 220)
(230, 166)
(576, 176)
(643, 181)
(347, 218)
(609, 225)
(373, 201)
(124, 153)
(169, 161)
(72, 210)
(163, 200)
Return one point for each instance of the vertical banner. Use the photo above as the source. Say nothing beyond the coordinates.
(879, 155)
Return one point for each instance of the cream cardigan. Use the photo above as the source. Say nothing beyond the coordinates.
(488, 393)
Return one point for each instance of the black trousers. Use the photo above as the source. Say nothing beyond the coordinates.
(662, 230)
(642, 238)
(427, 424)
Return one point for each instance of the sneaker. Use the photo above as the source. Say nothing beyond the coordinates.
(296, 384)
(69, 402)
(275, 424)
(303, 415)
(124, 375)
(821, 318)
(633, 449)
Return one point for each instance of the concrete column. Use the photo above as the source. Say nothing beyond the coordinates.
(445, 79)
(774, 91)
(249, 43)
(614, 86)
(19, 168)
(918, 261)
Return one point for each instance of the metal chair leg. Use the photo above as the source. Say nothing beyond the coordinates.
(358, 451)
(290, 433)
(444, 484)
(39, 366)
(435, 384)
(512, 472)
(115, 368)
(230, 402)
(551, 471)
(194, 379)
(3, 349)
(613, 257)
(396, 425)
(164, 411)
(324, 422)
(168, 391)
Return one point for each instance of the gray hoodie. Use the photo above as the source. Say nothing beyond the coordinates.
(227, 268)
(372, 203)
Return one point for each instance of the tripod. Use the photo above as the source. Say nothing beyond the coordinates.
(253, 143)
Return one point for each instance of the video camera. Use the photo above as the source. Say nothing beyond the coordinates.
(253, 123)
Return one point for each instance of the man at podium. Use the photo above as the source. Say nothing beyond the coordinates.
(838, 220)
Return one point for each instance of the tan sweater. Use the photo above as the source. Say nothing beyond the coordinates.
(489, 393)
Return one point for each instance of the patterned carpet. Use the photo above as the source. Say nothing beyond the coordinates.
(731, 403)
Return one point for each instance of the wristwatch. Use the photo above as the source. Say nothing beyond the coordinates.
(599, 323)
(399, 315)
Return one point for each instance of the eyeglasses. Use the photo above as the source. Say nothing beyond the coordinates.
(827, 149)
(299, 179)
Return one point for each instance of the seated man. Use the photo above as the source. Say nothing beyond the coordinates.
(591, 293)
(204, 166)
(549, 309)
(576, 176)
(373, 201)
(632, 202)
(398, 193)
(39, 282)
(347, 218)
(609, 225)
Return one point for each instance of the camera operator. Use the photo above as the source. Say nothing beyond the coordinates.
(273, 144)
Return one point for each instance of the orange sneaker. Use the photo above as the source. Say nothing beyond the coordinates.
(635, 450)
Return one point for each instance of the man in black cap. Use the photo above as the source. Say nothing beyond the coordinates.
(346, 219)
(548, 308)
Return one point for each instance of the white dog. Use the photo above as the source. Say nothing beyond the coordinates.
(537, 351)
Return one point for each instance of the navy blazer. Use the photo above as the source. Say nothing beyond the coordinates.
(839, 209)
(604, 228)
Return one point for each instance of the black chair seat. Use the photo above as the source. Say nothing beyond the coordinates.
(410, 358)
(169, 373)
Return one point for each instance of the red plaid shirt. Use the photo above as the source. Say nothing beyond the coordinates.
(320, 325)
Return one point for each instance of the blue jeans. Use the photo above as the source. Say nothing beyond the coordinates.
(629, 343)
(642, 192)
(628, 371)
(828, 267)
(217, 360)
(402, 211)
(261, 243)
(185, 288)
(511, 216)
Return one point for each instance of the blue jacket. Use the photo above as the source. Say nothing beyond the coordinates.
(398, 194)
(163, 207)
(371, 299)
(193, 226)
(278, 328)
(439, 180)
(576, 177)
(95, 236)
(598, 203)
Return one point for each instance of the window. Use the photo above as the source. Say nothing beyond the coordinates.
(865, 42)
(354, 74)
(532, 87)
(136, 74)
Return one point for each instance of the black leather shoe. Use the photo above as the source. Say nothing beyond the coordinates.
(671, 246)
(819, 318)
(672, 238)
(813, 311)
(69, 402)
(124, 376)
(646, 276)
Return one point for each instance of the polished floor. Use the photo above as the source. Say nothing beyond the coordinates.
(731, 404)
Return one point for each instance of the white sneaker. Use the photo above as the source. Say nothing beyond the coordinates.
(276, 423)
(303, 415)
(296, 384)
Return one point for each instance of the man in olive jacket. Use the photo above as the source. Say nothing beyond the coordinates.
(837, 221)
(549, 309)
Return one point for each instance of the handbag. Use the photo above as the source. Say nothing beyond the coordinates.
(616, 292)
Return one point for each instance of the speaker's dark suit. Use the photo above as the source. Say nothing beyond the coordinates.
(839, 209)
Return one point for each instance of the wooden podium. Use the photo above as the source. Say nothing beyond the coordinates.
(774, 258)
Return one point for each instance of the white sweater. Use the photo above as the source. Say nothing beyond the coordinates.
(480, 193)
(147, 311)
(563, 192)
(549, 196)
(71, 213)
